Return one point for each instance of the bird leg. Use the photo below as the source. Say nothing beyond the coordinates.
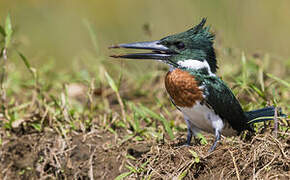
(217, 138)
(189, 136)
(191, 131)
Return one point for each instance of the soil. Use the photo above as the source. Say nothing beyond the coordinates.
(76, 156)
(96, 155)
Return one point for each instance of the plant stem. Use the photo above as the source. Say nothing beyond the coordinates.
(3, 76)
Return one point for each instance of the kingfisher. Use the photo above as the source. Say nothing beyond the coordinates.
(206, 102)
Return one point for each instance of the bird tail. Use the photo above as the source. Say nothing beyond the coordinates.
(264, 114)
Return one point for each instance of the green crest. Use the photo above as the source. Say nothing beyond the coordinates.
(195, 43)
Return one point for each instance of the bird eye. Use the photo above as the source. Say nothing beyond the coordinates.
(179, 45)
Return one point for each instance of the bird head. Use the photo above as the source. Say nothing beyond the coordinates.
(193, 47)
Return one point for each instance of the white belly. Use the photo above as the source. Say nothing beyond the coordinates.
(201, 117)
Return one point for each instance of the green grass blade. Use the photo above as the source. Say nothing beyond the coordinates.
(37, 126)
(132, 169)
(8, 31)
(203, 140)
(27, 64)
(257, 90)
(167, 127)
(92, 34)
(244, 69)
(111, 82)
(24, 59)
(123, 175)
(160, 118)
(183, 174)
(285, 83)
(2, 31)
(194, 154)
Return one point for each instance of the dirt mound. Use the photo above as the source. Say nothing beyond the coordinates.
(96, 155)
(264, 157)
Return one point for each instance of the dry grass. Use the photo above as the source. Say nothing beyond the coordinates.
(263, 157)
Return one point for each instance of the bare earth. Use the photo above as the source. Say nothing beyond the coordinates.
(95, 155)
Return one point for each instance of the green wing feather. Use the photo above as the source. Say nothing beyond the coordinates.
(222, 101)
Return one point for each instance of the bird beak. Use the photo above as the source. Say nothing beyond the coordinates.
(159, 51)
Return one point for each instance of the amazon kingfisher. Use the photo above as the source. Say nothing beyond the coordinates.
(205, 101)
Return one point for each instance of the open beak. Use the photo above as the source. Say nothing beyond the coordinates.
(159, 51)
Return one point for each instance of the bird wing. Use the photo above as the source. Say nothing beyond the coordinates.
(221, 99)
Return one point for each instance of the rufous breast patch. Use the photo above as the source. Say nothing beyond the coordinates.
(183, 88)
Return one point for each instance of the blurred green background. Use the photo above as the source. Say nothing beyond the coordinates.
(55, 30)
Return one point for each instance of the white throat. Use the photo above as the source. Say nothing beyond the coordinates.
(196, 64)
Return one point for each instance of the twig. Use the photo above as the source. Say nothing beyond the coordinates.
(256, 175)
(236, 167)
(222, 174)
(91, 171)
(280, 146)
(279, 175)
(254, 168)
(70, 149)
(6, 169)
